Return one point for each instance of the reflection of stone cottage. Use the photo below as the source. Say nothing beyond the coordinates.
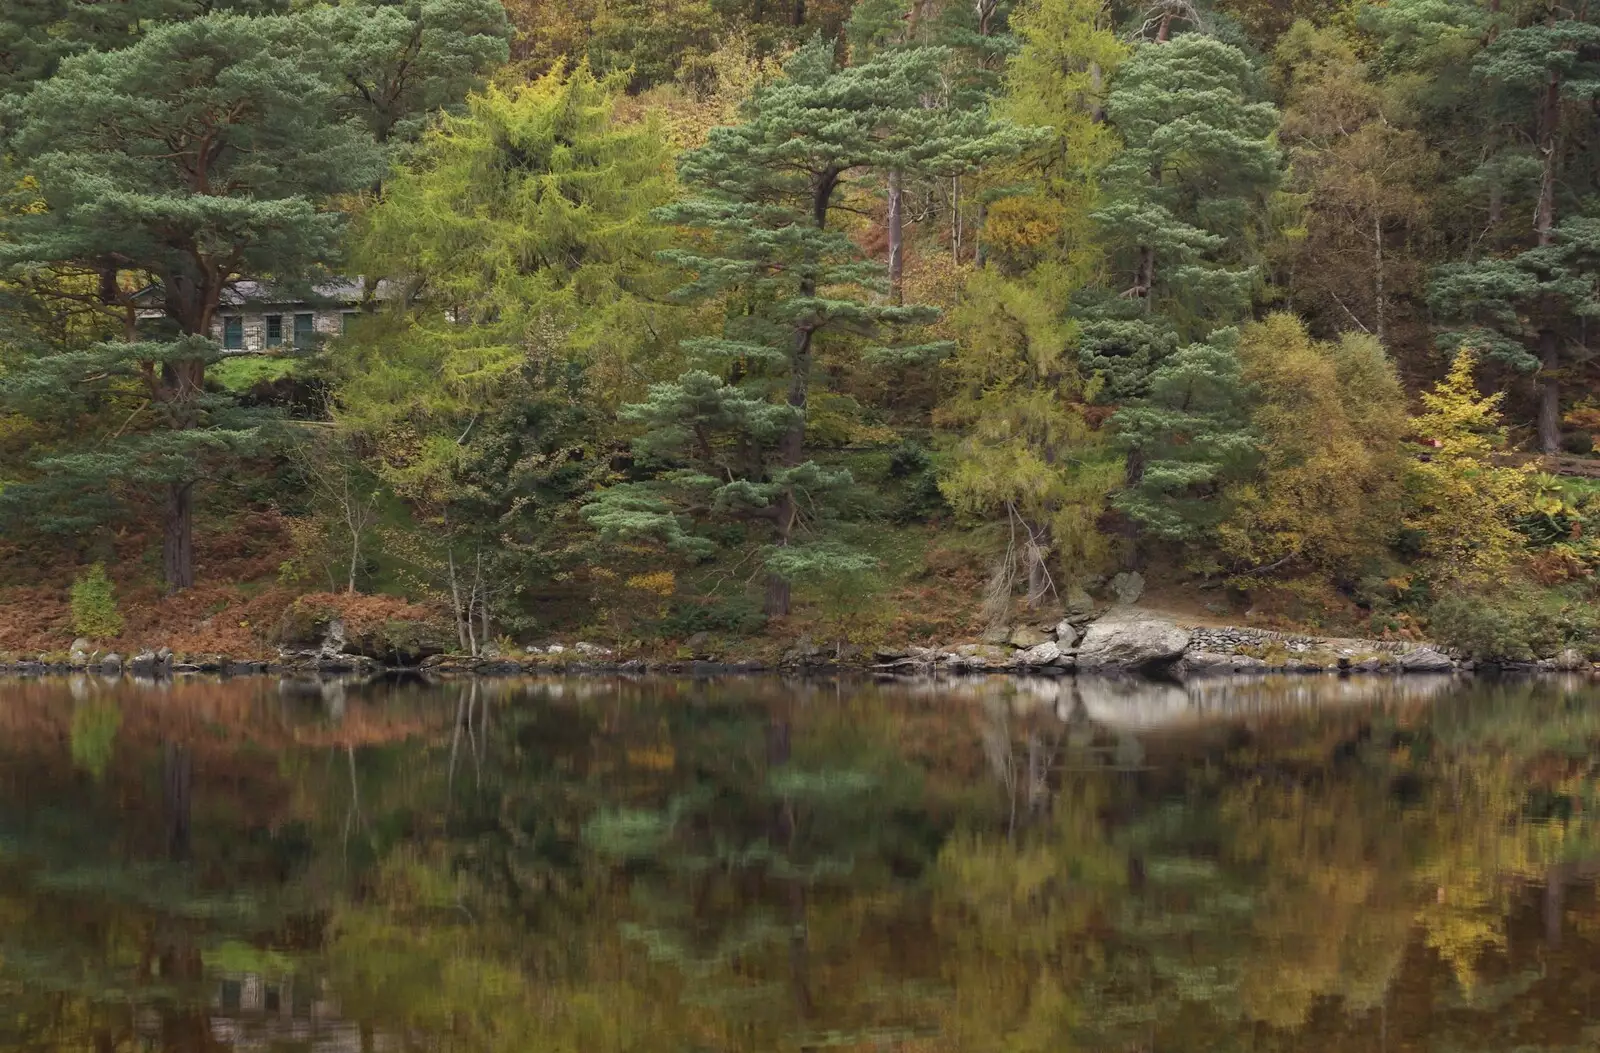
(250, 1011)
(256, 317)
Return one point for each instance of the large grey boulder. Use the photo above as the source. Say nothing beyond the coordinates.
(1129, 638)
(1040, 654)
(1080, 605)
(1570, 660)
(334, 639)
(1425, 660)
(1066, 635)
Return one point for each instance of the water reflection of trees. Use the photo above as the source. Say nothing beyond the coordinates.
(1288, 869)
(611, 865)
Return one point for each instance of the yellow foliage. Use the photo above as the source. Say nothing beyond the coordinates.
(723, 81)
(1023, 224)
(659, 583)
(1463, 503)
(1026, 446)
(1329, 494)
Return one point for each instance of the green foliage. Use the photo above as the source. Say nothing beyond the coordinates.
(1027, 448)
(94, 726)
(239, 373)
(398, 64)
(198, 155)
(94, 605)
(736, 615)
(1519, 623)
(1185, 198)
(525, 224)
(1191, 436)
(758, 242)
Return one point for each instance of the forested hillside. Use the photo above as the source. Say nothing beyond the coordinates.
(866, 321)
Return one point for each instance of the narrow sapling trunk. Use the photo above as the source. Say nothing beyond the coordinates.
(1377, 274)
(897, 245)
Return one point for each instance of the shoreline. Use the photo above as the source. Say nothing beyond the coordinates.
(1115, 641)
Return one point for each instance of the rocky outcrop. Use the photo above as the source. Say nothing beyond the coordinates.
(1425, 660)
(1042, 655)
(1130, 638)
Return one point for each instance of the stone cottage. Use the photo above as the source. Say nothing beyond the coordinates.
(256, 318)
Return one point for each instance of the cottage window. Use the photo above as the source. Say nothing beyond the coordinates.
(233, 333)
(274, 330)
(304, 329)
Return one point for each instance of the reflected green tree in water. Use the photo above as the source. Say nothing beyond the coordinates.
(608, 866)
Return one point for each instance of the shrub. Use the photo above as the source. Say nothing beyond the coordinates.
(94, 605)
(1519, 625)
(741, 615)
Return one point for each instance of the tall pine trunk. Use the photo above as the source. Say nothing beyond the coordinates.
(177, 541)
(791, 451)
(792, 447)
(1545, 224)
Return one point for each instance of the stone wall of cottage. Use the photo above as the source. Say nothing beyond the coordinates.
(326, 321)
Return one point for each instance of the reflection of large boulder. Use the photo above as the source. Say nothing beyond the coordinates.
(1129, 638)
(1125, 702)
(1211, 663)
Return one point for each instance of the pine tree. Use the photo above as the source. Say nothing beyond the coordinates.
(1526, 308)
(762, 245)
(400, 63)
(202, 153)
(1192, 434)
(1192, 181)
(1182, 204)
(36, 35)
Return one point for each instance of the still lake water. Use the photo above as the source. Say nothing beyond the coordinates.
(759, 864)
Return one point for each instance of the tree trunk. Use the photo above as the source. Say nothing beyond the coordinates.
(978, 254)
(776, 604)
(455, 600)
(1549, 392)
(791, 448)
(177, 771)
(1132, 475)
(1544, 223)
(1377, 274)
(177, 541)
(955, 219)
(897, 246)
(1097, 105)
